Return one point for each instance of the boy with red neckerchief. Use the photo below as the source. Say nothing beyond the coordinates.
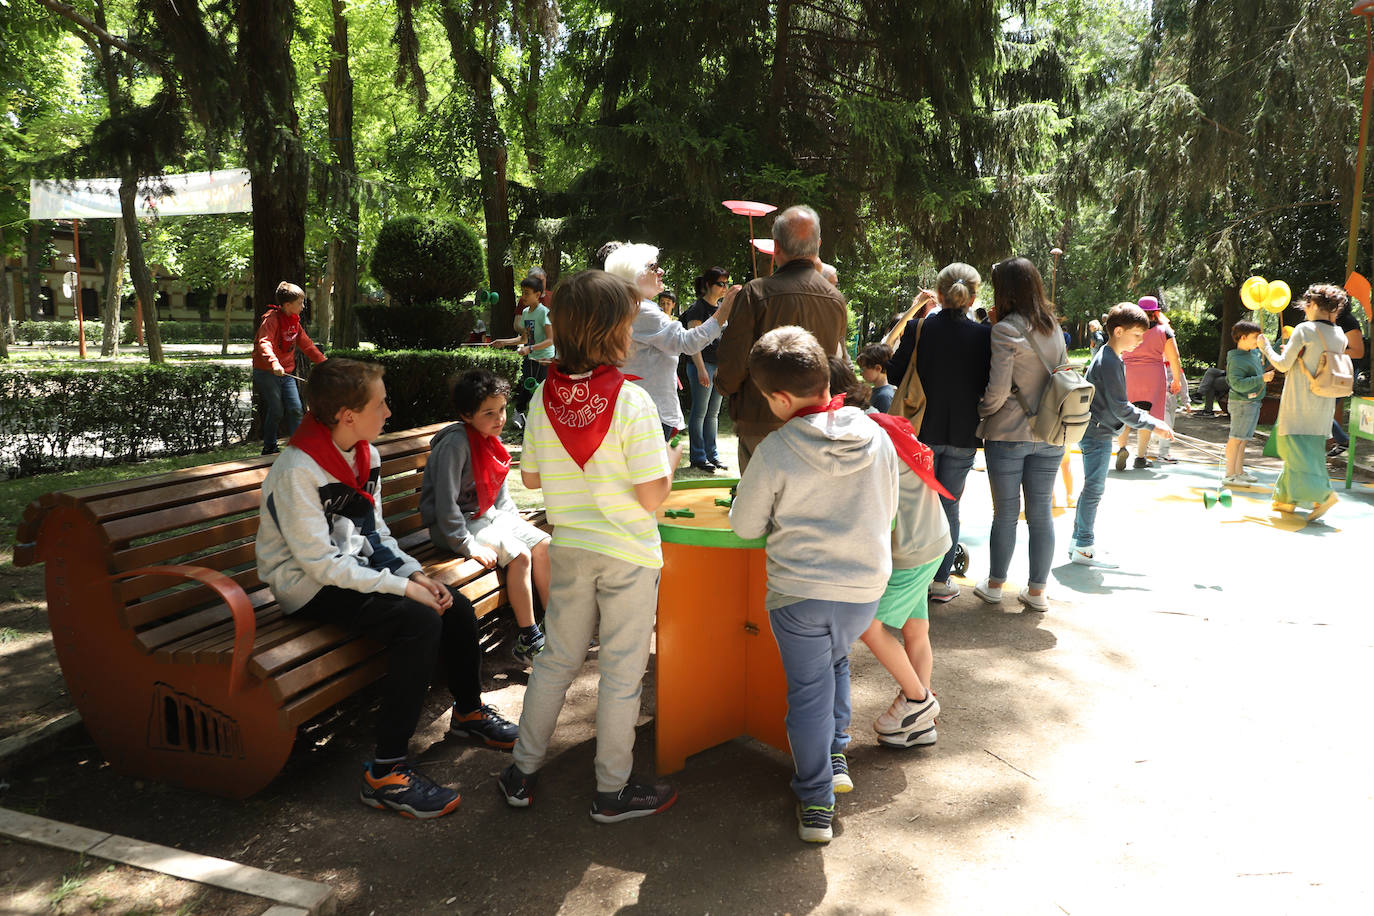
(274, 362)
(325, 551)
(595, 446)
(466, 506)
(823, 488)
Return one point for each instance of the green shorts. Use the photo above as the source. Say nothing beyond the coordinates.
(907, 594)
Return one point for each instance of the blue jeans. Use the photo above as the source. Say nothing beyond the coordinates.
(952, 464)
(701, 425)
(280, 398)
(1012, 468)
(813, 639)
(1097, 455)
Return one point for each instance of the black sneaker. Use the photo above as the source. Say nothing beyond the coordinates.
(632, 801)
(403, 790)
(813, 823)
(525, 649)
(517, 787)
(1139, 464)
(839, 774)
(486, 725)
(1204, 413)
(1121, 455)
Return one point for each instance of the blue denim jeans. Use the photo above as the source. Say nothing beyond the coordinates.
(813, 638)
(952, 464)
(1014, 467)
(280, 399)
(1097, 455)
(701, 425)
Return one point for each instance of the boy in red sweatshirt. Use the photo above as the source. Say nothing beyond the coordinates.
(274, 363)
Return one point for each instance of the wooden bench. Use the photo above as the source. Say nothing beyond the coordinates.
(183, 667)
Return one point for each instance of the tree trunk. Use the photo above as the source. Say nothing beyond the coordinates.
(336, 323)
(37, 242)
(228, 310)
(281, 175)
(138, 267)
(114, 286)
(475, 69)
(6, 303)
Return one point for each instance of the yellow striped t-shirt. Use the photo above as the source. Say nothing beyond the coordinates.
(594, 508)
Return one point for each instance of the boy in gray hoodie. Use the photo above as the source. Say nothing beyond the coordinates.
(823, 488)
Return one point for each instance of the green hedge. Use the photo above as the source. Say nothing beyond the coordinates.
(437, 325)
(417, 381)
(1196, 336)
(64, 332)
(59, 419)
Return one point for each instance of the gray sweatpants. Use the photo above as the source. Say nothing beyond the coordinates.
(588, 588)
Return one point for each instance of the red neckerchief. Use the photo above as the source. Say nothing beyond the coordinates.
(913, 451)
(490, 465)
(288, 325)
(580, 409)
(835, 404)
(314, 438)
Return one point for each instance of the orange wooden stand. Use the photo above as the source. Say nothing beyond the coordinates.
(719, 673)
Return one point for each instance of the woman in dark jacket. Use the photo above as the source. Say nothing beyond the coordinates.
(952, 359)
(701, 372)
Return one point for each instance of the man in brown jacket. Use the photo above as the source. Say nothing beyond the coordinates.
(795, 294)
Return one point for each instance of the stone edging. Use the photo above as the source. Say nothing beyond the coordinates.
(290, 895)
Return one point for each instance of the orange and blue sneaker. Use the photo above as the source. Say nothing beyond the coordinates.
(486, 725)
(405, 791)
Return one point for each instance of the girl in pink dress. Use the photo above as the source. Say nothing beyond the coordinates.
(1147, 384)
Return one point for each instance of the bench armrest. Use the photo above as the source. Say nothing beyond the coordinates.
(245, 620)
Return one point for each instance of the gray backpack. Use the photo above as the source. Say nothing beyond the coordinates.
(1066, 406)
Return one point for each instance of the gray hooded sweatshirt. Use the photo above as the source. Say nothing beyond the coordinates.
(448, 493)
(823, 488)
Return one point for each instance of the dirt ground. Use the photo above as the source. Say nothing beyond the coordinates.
(39, 880)
(1182, 734)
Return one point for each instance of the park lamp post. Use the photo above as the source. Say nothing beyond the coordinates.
(1056, 252)
(1364, 8)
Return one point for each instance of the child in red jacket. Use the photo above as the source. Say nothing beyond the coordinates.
(274, 363)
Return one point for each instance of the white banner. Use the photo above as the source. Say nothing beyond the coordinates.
(226, 191)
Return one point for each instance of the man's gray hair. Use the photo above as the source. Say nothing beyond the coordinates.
(797, 232)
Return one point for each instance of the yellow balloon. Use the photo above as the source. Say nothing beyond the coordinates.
(1254, 292)
(1287, 331)
(1279, 296)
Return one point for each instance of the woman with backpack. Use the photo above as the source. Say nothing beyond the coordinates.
(1025, 339)
(1304, 414)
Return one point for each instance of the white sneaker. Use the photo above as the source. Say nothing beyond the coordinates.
(1235, 480)
(1086, 556)
(943, 591)
(1248, 477)
(905, 717)
(990, 594)
(1040, 602)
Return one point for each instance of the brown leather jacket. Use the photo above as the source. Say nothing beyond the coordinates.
(795, 295)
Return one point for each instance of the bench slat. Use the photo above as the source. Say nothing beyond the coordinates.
(126, 530)
(321, 668)
(227, 561)
(485, 606)
(314, 702)
(229, 482)
(168, 549)
(481, 586)
(143, 613)
(266, 664)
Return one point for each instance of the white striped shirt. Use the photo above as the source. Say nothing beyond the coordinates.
(594, 507)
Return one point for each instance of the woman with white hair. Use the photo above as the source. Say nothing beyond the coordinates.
(657, 340)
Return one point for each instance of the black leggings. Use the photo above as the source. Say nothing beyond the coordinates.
(416, 637)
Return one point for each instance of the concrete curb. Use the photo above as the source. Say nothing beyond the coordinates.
(289, 896)
(34, 742)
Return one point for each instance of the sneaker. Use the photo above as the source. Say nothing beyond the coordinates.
(905, 717)
(526, 648)
(1235, 480)
(1284, 507)
(406, 791)
(990, 594)
(839, 774)
(632, 801)
(909, 739)
(813, 823)
(1139, 464)
(720, 465)
(1121, 455)
(1167, 459)
(943, 591)
(1248, 477)
(1204, 413)
(486, 725)
(517, 787)
(1320, 508)
(1087, 556)
(1040, 602)
(1336, 451)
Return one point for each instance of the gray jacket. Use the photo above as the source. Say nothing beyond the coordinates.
(1015, 363)
(448, 494)
(1302, 413)
(823, 488)
(656, 343)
